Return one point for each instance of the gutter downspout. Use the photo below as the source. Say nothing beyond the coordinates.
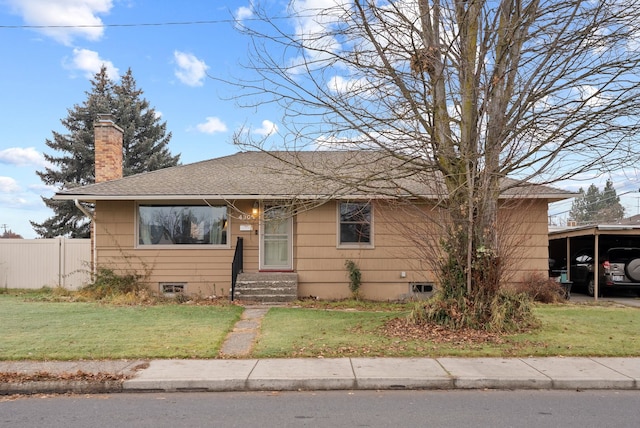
(94, 258)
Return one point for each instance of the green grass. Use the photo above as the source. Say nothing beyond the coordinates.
(35, 330)
(299, 332)
(575, 330)
(567, 330)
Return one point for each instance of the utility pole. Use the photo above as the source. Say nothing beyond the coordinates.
(4, 226)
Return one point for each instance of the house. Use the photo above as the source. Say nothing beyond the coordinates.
(286, 231)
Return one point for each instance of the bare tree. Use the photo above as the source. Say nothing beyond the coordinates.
(472, 91)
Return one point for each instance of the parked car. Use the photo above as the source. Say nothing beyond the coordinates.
(619, 269)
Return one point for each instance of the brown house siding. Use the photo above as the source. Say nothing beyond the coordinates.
(528, 238)
(317, 260)
(320, 263)
(205, 271)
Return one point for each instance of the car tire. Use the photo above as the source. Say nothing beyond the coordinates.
(632, 269)
(591, 288)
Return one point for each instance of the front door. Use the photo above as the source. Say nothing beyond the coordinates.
(275, 239)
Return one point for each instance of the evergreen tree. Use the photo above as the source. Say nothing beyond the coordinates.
(145, 141)
(145, 148)
(610, 209)
(594, 206)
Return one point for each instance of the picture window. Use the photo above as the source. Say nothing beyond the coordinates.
(182, 225)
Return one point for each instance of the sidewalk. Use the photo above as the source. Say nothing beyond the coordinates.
(330, 374)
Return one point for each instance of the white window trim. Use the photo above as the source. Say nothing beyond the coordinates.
(136, 231)
(351, 245)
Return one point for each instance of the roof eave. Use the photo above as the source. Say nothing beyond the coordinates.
(93, 198)
(551, 197)
(146, 197)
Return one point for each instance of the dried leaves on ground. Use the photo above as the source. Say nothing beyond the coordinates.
(405, 330)
(43, 376)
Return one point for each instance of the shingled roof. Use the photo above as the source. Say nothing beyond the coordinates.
(283, 175)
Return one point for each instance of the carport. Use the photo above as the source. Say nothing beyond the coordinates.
(565, 243)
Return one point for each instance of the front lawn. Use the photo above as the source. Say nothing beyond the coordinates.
(567, 330)
(41, 330)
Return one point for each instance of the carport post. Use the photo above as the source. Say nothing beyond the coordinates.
(596, 265)
(568, 259)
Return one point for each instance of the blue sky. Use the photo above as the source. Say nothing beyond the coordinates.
(46, 70)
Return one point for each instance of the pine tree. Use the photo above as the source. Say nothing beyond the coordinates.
(145, 148)
(610, 209)
(145, 140)
(594, 206)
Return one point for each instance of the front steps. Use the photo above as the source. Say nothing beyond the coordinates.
(266, 287)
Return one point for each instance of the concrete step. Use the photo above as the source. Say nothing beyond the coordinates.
(268, 276)
(267, 287)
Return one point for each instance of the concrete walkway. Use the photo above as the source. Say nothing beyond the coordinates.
(241, 339)
(389, 373)
(335, 373)
(625, 301)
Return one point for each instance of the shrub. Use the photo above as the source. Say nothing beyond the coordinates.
(507, 311)
(355, 278)
(107, 284)
(542, 289)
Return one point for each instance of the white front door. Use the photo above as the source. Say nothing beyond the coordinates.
(275, 239)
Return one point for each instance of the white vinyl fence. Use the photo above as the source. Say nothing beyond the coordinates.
(36, 263)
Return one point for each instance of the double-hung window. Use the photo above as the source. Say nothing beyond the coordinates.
(182, 225)
(355, 223)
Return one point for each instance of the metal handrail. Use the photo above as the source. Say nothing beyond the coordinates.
(237, 265)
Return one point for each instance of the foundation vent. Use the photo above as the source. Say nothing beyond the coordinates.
(173, 289)
(422, 288)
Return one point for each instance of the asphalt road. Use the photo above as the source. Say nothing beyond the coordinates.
(328, 409)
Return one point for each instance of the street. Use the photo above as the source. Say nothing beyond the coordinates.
(327, 409)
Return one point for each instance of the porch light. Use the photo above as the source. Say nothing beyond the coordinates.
(254, 211)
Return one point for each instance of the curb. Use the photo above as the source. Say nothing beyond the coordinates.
(344, 384)
(61, 387)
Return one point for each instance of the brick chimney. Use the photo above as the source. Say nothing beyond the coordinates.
(108, 148)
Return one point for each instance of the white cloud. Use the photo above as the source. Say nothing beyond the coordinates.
(211, 126)
(79, 17)
(267, 128)
(12, 201)
(361, 87)
(591, 96)
(22, 157)
(339, 85)
(42, 188)
(243, 12)
(8, 185)
(191, 70)
(313, 21)
(90, 63)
